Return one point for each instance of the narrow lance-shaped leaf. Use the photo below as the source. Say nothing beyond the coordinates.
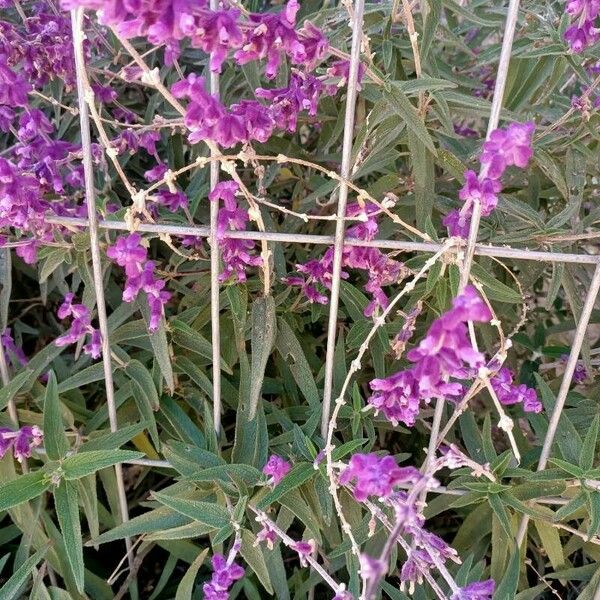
(67, 511)
(264, 329)
(55, 439)
(85, 463)
(186, 586)
(588, 449)
(25, 487)
(10, 590)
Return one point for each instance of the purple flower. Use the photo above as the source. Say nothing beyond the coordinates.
(458, 223)
(7, 116)
(403, 336)
(304, 550)
(397, 397)
(581, 35)
(266, 534)
(128, 253)
(224, 575)
(14, 89)
(445, 353)
(156, 173)
(277, 468)
(580, 374)
(376, 476)
(380, 269)
(94, 348)
(21, 441)
(10, 349)
(235, 253)
(33, 123)
(485, 191)
(506, 147)
(478, 590)
(140, 276)
(341, 69)
(80, 327)
(173, 201)
(508, 393)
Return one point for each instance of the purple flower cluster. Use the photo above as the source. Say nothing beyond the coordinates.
(445, 353)
(235, 253)
(42, 47)
(508, 393)
(129, 253)
(505, 147)
(248, 120)
(11, 350)
(376, 476)
(22, 208)
(585, 103)
(225, 574)
(251, 37)
(583, 32)
(277, 468)
(21, 441)
(580, 374)
(80, 327)
(381, 270)
(403, 336)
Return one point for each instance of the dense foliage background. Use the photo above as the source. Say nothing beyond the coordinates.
(418, 126)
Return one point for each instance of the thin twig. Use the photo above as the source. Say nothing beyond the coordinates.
(561, 397)
(88, 168)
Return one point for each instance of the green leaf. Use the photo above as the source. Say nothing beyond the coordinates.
(67, 511)
(54, 257)
(588, 450)
(23, 488)
(508, 586)
(264, 330)
(567, 437)
(113, 439)
(551, 544)
(10, 590)
(228, 473)
(432, 19)
(424, 178)
(501, 512)
(160, 347)
(496, 290)
(86, 376)
(299, 474)
(141, 377)
(207, 513)
(55, 439)
(12, 388)
(289, 347)
(186, 337)
(567, 467)
(594, 506)
(186, 585)
(552, 170)
(401, 104)
(85, 463)
(5, 285)
(252, 553)
(161, 519)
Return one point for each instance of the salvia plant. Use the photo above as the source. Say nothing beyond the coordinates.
(298, 300)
